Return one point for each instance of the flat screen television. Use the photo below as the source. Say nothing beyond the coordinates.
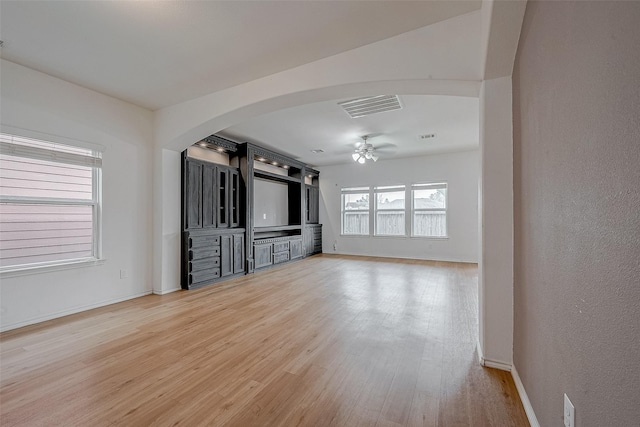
(270, 203)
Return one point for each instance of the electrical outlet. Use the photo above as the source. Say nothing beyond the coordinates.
(124, 274)
(569, 412)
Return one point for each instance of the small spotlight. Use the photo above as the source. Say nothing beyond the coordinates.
(285, 166)
(261, 159)
(220, 150)
(274, 163)
(203, 144)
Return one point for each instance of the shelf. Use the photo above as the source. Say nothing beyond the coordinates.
(273, 176)
(277, 228)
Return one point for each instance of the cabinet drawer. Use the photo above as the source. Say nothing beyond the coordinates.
(201, 253)
(281, 247)
(280, 257)
(203, 241)
(204, 275)
(204, 264)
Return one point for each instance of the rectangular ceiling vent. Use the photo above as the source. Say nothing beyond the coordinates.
(375, 104)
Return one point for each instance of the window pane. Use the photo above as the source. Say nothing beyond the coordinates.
(355, 223)
(356, 201)
(430, 198)
(430, 223)
(32, 233)
(26, 177)
(390, 200)
(390, 223)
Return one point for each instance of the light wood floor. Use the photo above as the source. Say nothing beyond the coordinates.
(344, 341)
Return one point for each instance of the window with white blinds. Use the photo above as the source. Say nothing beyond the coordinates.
(49, 203)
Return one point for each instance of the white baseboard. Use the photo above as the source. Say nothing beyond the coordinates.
(168, 291)
(528, 409)
(489, 363)
(63, 313)
(439, 259)
(496, 365)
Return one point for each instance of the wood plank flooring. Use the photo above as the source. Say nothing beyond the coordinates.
(327, 341)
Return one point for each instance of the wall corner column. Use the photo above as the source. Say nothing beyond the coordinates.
(166, 221)
(495, 198)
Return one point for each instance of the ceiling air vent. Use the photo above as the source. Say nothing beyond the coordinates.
(375, 104)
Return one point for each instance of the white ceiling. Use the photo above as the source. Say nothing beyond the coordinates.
(326, 126)
(157, 54)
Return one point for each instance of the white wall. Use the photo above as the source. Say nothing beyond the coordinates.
(460, 170)
(37, 102)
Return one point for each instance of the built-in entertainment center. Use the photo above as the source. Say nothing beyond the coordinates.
(244, 208)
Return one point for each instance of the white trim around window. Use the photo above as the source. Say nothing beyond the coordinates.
(429, 203)
(390, 208)
(422, 213)
(50, 204)
(355, 211)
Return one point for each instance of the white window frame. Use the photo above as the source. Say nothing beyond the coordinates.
(430, 185)
(389, 189)
(343, 211)
(95, 160)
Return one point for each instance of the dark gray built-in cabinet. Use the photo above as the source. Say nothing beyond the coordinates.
(220, 238)
(212, 239)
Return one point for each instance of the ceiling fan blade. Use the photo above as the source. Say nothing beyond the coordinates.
(385, 146)
(344, 152)
(371, 136)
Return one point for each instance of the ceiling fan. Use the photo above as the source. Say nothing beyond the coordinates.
(365, 151)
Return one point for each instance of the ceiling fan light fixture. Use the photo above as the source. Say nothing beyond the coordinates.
(364, 151)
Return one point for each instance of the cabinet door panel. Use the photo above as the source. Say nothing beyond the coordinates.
(222, 194)
(312, 204)
(238, 253)
(209, 196)
(307, 240)
(262, 255)
(193, 195)
(226, 255)
(307, 200)
(234, 198)
(315, 205)
(295, 248)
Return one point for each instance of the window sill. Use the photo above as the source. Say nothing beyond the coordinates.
(46, 268)
(396, 237)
